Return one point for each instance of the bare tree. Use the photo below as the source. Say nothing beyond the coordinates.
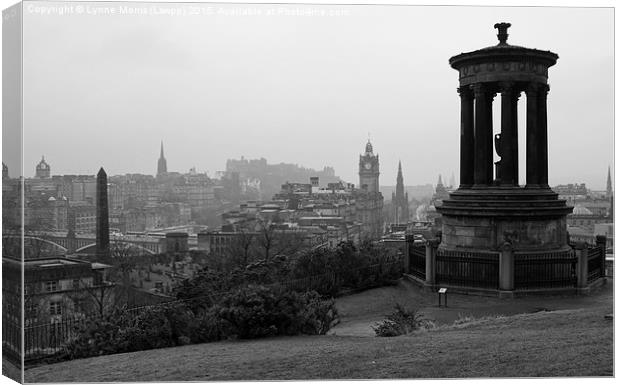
(243, 248)
(274, 240)
(93, 297)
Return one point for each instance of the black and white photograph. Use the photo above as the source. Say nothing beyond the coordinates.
(199, 192)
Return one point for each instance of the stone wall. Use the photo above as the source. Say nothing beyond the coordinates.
(491, 233)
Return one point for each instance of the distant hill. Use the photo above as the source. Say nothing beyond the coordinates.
(273, 176)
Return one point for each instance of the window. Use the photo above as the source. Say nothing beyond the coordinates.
(79, 304)
(51, 285)
(55, 308)
(32, 310)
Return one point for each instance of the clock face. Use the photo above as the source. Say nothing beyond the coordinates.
(368, 166)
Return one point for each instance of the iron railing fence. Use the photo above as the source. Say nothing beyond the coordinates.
(417, 260)
(467, 268)
(596, 263)
(11, 339)
(545, 270)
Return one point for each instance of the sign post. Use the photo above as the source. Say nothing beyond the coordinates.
(443, 291)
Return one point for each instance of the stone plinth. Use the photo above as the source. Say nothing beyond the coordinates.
(485, 219)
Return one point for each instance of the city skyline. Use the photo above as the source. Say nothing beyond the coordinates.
(446, 178)
(321, 83)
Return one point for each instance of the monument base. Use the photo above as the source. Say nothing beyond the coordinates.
(484, 219)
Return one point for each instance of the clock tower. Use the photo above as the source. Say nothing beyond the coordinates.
(369, 170)
(369, 201)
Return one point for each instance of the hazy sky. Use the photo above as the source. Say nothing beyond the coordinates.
(104, 90)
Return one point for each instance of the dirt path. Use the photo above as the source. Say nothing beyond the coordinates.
(360, 311)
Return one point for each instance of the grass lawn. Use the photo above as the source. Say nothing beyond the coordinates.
(572, 341)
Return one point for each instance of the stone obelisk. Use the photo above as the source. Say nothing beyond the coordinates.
(102, 225)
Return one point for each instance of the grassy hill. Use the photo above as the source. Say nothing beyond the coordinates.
(573, 339)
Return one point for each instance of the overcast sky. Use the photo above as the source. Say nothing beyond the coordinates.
(104, 90)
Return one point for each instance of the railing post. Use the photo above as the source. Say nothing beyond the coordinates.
(601, 243)
(581, 249)
(406, 258)
(506, 271)
(431, 256)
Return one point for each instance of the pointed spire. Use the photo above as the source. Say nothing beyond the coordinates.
(439, 181)
(399, 180)
(162, 166)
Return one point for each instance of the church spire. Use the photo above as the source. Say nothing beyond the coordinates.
(162, 166)
(400, 188)
(400, 199)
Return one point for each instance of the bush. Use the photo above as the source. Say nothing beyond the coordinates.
(258, 311)
(319, 315)
(120, 331)
(100, 336)
(401, 321)
(352, 267)
(161, 326)
(210, 327)
(249, 312)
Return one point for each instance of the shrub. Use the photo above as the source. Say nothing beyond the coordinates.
(319, 315)
(161, 326)
(258, 311)
(210, 327)
(249, 312)
(99, 336)
(401, 321)
(120, 331)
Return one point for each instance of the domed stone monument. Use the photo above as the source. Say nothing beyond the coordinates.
(489, 210)
(496, 233)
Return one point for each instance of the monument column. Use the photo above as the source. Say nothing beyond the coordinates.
(543, 159)
(509, 138)
(467, 137)
(102, 226)
(483, 136)
(531, 158)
